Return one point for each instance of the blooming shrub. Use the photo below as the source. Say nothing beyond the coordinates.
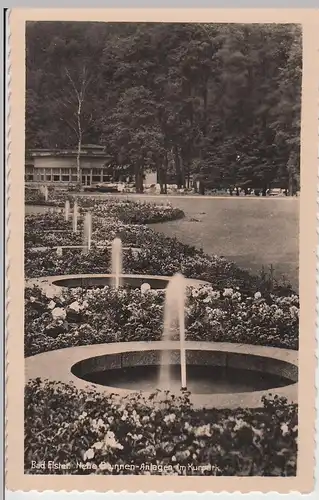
(35, 197)
(105, 315)
(89, 433)
(128, 211)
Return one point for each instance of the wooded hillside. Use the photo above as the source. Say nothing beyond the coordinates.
(220, 102)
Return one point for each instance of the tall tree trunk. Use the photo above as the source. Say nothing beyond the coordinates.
(201, 188)
(160, 176)
(139, 179)
(290, 183)
(179, 176)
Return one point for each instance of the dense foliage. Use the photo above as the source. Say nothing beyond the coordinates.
(218, 102)
(124, 210)
(56, 318)
(88, 433)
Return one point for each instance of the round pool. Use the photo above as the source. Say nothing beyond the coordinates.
(219, 375)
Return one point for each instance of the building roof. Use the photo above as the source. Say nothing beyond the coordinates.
(89, 150)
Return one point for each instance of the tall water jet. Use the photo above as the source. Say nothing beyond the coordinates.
(75, 217)
(67, 210)
(174, 319)
(87, 232)
(117, 262)
(45, 192)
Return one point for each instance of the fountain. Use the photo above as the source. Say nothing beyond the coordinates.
(174, 316)
(117, 262)
(75, 217)
(45, 192)
(67, 210)
(87, 232)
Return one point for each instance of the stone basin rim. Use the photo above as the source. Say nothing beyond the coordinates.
(56, 366)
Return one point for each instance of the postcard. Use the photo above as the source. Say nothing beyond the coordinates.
(161, 307)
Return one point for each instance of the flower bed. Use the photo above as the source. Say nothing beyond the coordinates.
(127, 211)
(159, 255)
(132, 212)
(84, 317)
(106, 436)
(35, 197)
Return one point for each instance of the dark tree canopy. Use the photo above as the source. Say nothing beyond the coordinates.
(220, 103)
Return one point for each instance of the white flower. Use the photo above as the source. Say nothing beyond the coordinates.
(145, 287)
(58, 313)
(51, 304)
(83, 415)
(110, 441)
(284, 429)
(32, 299)
(169, 418)
(228, 292)
(257, 295)
(75, 306)
(125, 415)
(203, 430)
(240, 423)
(98, 445)
(89, 454)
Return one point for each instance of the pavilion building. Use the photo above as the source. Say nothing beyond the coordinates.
(59, 167)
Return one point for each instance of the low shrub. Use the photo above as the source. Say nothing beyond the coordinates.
(84, 317)
(89, 433)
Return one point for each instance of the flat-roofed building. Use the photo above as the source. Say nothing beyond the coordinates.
(59, 167)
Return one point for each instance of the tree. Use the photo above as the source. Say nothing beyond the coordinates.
(217, 102)
(76, 100)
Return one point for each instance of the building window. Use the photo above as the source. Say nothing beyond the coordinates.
(65, 174)
(28, 174)
(48, 176)
(74, 178)
(107, 178)
(56, 177)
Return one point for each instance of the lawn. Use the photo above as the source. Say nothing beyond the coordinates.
(251, 232)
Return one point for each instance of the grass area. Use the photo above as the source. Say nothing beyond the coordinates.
(251, 232)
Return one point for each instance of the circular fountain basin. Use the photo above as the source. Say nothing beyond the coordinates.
(102, 280)
(220, 375)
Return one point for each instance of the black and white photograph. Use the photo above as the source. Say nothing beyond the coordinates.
(162, 191)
